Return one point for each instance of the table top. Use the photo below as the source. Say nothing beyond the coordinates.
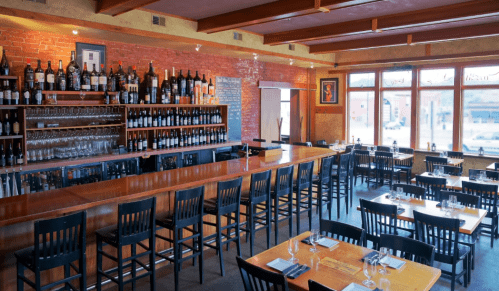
(455, 182)
(453, 162)
(399, 157)
(412, 276)
(255, 145)
(473, 217)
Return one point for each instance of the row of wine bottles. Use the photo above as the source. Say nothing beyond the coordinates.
(10, 126)
(11, 157)
(128, 84)
(176, 117)
(9, 94)
(177, 139)
(41, 181)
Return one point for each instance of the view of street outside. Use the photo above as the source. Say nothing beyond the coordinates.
(396, 118)
(285, 111)
(361, 115)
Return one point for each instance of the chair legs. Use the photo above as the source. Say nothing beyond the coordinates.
(288, 212)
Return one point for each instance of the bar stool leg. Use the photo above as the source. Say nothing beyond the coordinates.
(99, 265)
(201, 255)
(228, 230)
(67, 274)
(276, 222)
(83, 270)
(250, 225)
(290, 212)
(219, 244)
(133, 250)
(20, 273)
(298, 207)
(238, 233)
(310, 207)
(120, 269)
(268, 215)
(176, 255)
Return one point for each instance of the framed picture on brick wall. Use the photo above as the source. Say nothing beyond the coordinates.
(92, 54)
(329, 91)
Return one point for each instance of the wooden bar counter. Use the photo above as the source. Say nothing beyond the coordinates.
(101, 200)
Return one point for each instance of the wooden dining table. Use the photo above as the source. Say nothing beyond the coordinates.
(453, 162)
(399, 157)
(456, 182)
(412, 276)
(472, 216)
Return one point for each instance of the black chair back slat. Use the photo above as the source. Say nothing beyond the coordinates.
(384, 161)
(431, 161)
(432, 185)
(411, 190)
(343, 167)
(189, 206)
(260, 187)
(467, 200)
(378, 218)
(229, 195)
(258, 279)
(136, 221)
(405, 162)
(342, 231)
(473, 174)
(409, 249)
(305, 173)
(284, 181)
(452, 170)
(315, 286)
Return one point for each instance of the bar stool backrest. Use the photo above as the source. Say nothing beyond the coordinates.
(486, 192)
(473, 174)
(411, 190)
(326, 168)
(452, 170)
(136, 221)
(467, 200)
(258, 279)
(189, 207)
(305, 172)
(343, 167)
(432, 185)
(260, 187)
(284, 181)
(362, 159)
(432, 161)
(229, 195)
(58, 240)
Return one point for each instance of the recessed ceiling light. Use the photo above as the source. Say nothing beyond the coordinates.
(255, 56)
(291, 61)
(311, 65)
(75, 32)
(198, 47)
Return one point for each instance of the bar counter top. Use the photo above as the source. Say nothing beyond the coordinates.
(77, 198)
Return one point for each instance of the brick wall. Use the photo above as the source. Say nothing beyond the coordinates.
(22, 44)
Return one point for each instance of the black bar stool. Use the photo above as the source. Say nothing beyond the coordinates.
(135, 224)
(227, 204)
(282, 197)
(303, 190)
(188, 211)
(51, 251)
(324, 184)
(340, 180)
(258, 206)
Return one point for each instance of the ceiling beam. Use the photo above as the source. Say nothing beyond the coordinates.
(117, 7)
(448, 13)
(472, 31)
(272, 12)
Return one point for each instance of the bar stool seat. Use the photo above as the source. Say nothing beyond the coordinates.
(210, 205)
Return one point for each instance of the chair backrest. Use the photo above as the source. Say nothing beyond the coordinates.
(258, 279)
(411, 190)
(305, 173)
(384, 161)
(405, 162)
(189, 207)
(326, 168)
(307, 144)
(343, 167)
(409, 249)
(408, 151)
(486, 192)
(383, 149)
(136, 221)
(432, 185)
(378, 218)
(60, 239)
(229, 195)
(441, 232)
(452, 170)
(468, 200)
(321, 142)
(278, 141)
(455, 155)
(259, 140)
(342, 231)
(473, 174)
(432, 161)
(361, 160)
(284, 181)
(357, 146)
(315, 286)
(260, 187)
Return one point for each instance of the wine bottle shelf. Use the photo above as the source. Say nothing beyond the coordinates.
(10, 137)
(9, 107)
(175, 127)
(76, 127)
(78, 92)
(171, 105)
(8, 77)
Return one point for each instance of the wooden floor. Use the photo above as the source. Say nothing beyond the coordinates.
(484, 277)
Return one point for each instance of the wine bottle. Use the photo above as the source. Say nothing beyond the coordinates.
(15, 125)
(197, 88)
(155, 120)
(4, 65)
(9, 156)
(120, 76)
(211, 88)
(40, 75)
(135, 78)
(141, 120)
(166, 91)
(144, 143)
(111, 80)
(50, 77)
(94, 79)
(181, 84)
(189, 84)
(7, 93)
(36, 94)
(147, 96)
(149, 119)
(135, 120)
(135, 145)
(61, 78)
(131, 96)
(155, 143)
(173, 84)
(26, 94)
(106, 97)
(73, 73)
(15, 95)
(19, 156)
(85, 78)
(1, 94)
(152, 84)
(102, 78)
(123, 95)
(139, 143)
(3, 162)
(29, 75)
(130, 143)
(159, 118)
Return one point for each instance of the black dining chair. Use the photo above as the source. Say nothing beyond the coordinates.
(408, 248)
(405, 165)
(488, 201)
(306, 144)
(135, 224)
(259, 140)
(473, 174)
(340, 182)
(316, 286)
(431, 161)
(432, 185)
(411, 190)
(342, 231)
(258, 279)
(324, 185)
(321, 142)
(385, 168)
(186, 218)
(302, 186)
(226, 204)
(282, 199)
(278, 141)
(453, 170)
(455, 155)
(443, 233)
(258, 207)
(383, 149)
(363, 166)
(378, 218)
(51, 251)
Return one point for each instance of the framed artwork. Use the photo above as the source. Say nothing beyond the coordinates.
(329, 91)
(91, 54)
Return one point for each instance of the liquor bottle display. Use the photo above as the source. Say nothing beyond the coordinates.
(61, 78)
(73, 74)
(15, 95)
(102, 79)
(29, 75)
(166, 91)
(40, 75)
(111, 80)
(94, 79)
(7, 93)
(85, 79)
(152, 85)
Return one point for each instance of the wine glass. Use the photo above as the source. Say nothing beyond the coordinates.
(384, 254)
(452, 201)
(400, 192)
(293, 249)
(314, 238)
(445, 207)
(369, 271)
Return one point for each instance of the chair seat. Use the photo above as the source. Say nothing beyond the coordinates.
(26, 256)
(467, 239)
(245, 197)
(463, 252)
(166, 220)
(210, 206)
(109, 234)
(403, 168)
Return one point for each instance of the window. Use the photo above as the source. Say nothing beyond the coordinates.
(481, 76)
(285, 111)
(397, 79)
(436, 115)
(396, 118)
(361, 116)
(361, 80)
(437, 77)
